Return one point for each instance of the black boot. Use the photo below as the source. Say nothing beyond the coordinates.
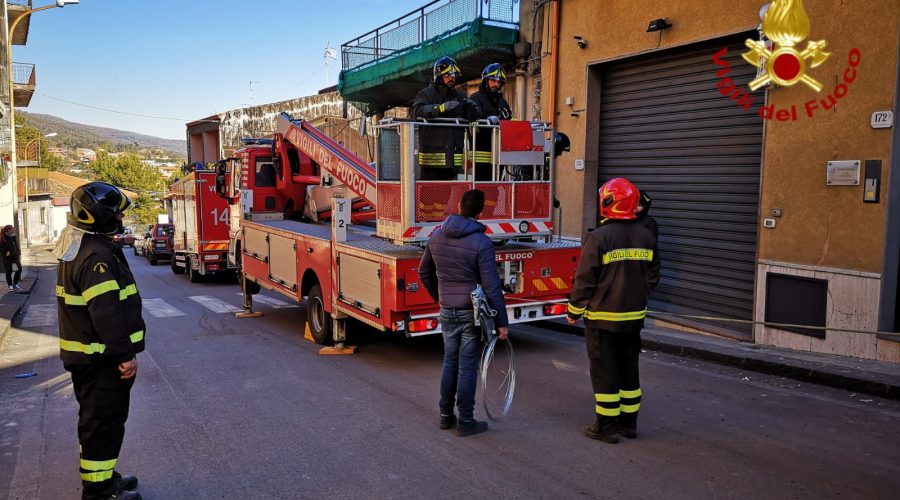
(125, 482)
(111, 493)
(468, 427)
(604, 429)
(447, 421)
(628, 425)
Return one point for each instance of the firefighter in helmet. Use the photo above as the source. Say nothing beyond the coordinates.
(491, 106)
(441, 148)
(618, 267)
(100, 333)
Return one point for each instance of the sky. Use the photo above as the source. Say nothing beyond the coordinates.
(182, 60)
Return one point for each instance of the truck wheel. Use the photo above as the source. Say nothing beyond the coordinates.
(153, 259)
(194, 275)
(175, 267)
(318, 320)
(135, 250)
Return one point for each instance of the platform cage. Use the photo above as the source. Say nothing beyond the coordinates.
(511, 162)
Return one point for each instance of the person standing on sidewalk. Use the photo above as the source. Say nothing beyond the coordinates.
(100, 333)
(11, 255)
(618, 267)
(458, 258)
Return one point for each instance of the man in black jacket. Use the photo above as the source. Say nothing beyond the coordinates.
(491, 106)
(459, 257)
(441, 148)
(619, 265)
(100, 333)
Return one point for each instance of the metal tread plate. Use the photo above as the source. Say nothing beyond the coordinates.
(322, 231)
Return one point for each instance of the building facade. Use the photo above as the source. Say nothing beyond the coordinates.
(775, 206)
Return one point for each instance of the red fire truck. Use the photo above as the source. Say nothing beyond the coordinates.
(201, 226)
(364, 264)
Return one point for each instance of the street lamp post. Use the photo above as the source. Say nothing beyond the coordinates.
(12, 104)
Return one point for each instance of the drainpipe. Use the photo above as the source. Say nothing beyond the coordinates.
(554, 60)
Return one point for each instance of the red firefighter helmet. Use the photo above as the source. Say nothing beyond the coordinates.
(618, 199)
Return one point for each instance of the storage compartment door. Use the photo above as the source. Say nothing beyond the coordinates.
(359, 283)
(283, 261)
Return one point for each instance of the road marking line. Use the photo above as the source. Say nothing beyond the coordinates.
(278, 304)
(39, 315)
(214, 304)
(159, 308)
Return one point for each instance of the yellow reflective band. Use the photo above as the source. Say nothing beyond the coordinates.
(630, 394)
(575, 310)
(73, 346)
(95, 347)
(631, 408)
(100, 289)
(127, 291)
(608, 412)
(72, 300)
(98, 465)
(457, 160)
(96, 477)
(432, 159)
(606, 398)
(627, 254)
(614, 316)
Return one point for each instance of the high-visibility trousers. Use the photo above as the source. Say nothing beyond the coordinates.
(103, 399)
(615, 375)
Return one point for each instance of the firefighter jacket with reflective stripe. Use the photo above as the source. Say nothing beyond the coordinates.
(99, 305)
(618, 268)
(440, 147)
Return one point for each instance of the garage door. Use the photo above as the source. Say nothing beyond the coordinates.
(665, 126)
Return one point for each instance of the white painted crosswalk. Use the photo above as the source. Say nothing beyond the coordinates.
(277, 304)
(215, 305)
(159, 308)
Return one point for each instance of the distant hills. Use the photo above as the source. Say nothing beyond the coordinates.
(77, 135)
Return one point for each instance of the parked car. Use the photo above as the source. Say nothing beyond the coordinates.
(157, 243)
(124, 239)
(139, 243)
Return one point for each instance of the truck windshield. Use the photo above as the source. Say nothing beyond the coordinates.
(160, 230)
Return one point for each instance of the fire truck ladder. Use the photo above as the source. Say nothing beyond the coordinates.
(350, 170)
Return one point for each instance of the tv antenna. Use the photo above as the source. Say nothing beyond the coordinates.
(250, 97)
(330, 55)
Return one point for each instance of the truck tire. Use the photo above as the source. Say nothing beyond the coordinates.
(175, 267)
(134, 247)
(194, 275)
(153, 259)
(317, 319)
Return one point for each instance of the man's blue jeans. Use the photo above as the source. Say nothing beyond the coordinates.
(462, 353)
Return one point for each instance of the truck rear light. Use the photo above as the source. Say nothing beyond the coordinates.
(422, 325)
(210, 257)
(554, 309)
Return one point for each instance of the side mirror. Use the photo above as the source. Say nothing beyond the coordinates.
(223, 187)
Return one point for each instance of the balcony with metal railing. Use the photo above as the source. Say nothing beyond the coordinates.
(23, 78)
(16, 9)
(388, 65)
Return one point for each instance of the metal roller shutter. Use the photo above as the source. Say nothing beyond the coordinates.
(665, 127)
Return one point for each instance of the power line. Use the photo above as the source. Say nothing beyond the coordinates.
(113, 110)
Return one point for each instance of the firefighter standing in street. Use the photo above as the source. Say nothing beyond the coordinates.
(491, 106)
(100, 333)
(618, 267)
(441, 148)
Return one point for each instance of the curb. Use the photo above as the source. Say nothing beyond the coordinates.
(761, 359)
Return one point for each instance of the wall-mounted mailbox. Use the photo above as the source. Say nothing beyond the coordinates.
(872, 184)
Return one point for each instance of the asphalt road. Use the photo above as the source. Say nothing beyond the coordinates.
(246, 408)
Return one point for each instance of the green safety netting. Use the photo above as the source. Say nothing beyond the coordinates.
(394, 81)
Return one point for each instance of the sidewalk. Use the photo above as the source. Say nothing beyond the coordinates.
(11, 303)
(866, 376)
